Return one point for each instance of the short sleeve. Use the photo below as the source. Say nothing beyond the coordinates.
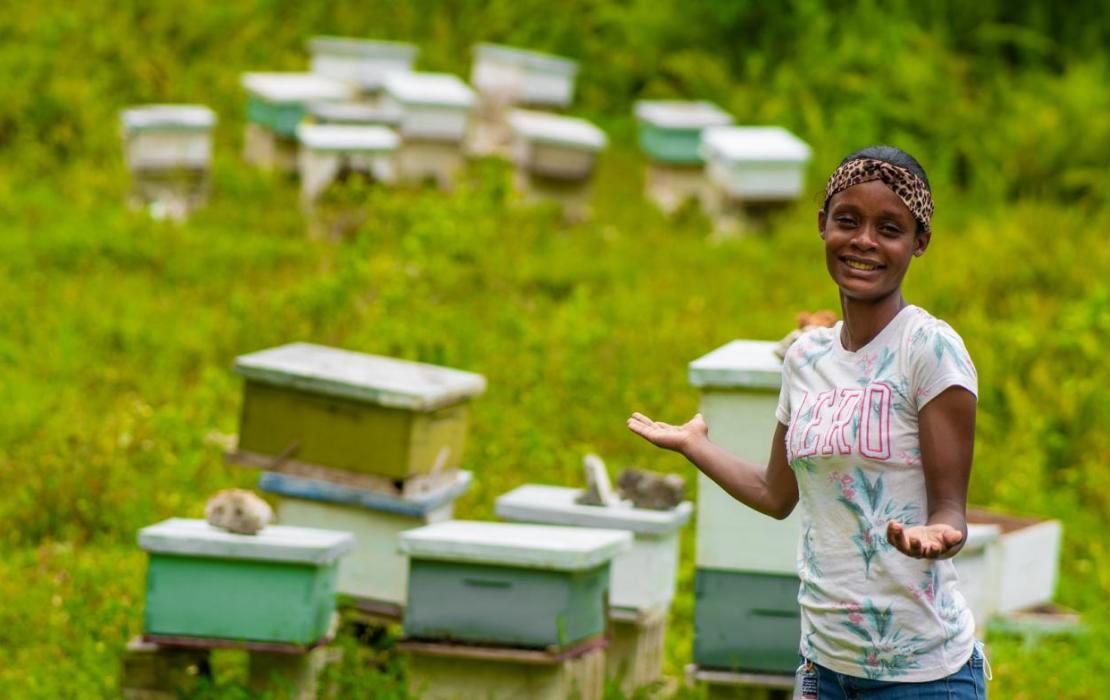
(940, 361)
(782, 411)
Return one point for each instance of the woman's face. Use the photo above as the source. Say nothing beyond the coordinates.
(870, 237)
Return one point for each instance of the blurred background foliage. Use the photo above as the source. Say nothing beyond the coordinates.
(117, 333)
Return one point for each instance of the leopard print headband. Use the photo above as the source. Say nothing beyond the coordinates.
(911, 189)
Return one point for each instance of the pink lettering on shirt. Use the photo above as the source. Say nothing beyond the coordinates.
(847, 410)
(825, 399)
(875, 427)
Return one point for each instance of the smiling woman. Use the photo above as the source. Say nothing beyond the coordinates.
(876, 428)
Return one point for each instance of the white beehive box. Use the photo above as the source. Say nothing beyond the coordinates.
(435, 106)
(375, 571)
(739, 385)
(1026, 560)
(158, 137)
(326, 149)
(353, 114)
(643, 578)
(976, 565)
(759, 164)
(518, 76)
(554, 146)
(364, 62)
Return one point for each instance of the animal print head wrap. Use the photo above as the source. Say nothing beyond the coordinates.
(911, 189)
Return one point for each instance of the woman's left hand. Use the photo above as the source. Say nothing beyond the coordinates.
(923, 541)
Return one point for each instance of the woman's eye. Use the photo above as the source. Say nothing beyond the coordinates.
(845, 220)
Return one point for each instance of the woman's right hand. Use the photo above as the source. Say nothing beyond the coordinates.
(667, 436)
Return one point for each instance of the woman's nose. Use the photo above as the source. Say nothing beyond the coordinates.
(865, 238)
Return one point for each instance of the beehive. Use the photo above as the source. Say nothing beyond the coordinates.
(976, 565)
(746, 611)
(329, 150)
(643, 578)
(354, 412)
(276, 104)
(755, 164)
(375, 573)
(554, 146)
(520, 76)
(506, 584)
(670, 130)
(1024, 561)
(364, 62)
(354, 114)
(168, 149)
(275, 586)
(435, 106)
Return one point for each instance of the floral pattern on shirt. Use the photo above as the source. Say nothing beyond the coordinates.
(949, 611)
(886, 650)
(864, 498)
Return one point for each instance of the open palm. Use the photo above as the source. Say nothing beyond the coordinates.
(667, 436)
(923, 541)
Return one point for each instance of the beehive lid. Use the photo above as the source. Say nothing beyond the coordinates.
(540, 127)
(191, 537)
(296, 87)
(681, 114)
(512, 544)
(347, 138)
(316, 490)
(741, 364)
(168, 118)
(354, 113)
(555, 505)
(753, 144)
(374, 379)
(531, 60)
(979, 536)
(367, 48)
(429, 89)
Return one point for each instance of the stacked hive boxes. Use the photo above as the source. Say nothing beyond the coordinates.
(670, 135)
(505, 611)
(554, 158)
(169, 153)
(276, 103)
(435, 117)
(746, 612)
(363, 62)
(367, 444)
(643, 578)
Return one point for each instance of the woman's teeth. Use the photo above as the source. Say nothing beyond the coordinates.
(860, 265)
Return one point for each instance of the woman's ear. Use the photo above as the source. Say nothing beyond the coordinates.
(822, 219)
(920, 243)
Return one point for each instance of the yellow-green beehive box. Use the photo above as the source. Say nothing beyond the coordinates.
(354, 412)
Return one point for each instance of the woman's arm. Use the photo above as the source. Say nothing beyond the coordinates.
(947, 432)
(771, 489)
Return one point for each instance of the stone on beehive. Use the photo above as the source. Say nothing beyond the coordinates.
(275, 586)
(354, 412)
(375, 572)
(238, 511)
(652, 491)
(364, 62)
(507, 584)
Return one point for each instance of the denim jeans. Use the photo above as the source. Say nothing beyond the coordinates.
(966, 683)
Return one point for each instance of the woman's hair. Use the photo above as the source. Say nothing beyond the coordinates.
(894, 156)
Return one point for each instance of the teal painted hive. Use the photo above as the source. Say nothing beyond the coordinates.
(670, 130)
(278, 101)
(507, 584)
(745, 621)
(277, 586)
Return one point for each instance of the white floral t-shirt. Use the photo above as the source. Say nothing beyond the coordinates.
(867, 609)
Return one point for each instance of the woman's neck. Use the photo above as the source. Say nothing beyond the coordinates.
(863, 320)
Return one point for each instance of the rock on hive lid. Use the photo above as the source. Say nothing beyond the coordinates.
(555, 505)
(759, 144)
(532, 60)
(541, 127)
(347, 137)
(511, 544)
(681, 114)
(741, 364)
(368, 48)
(168, 117)
(330, 492)
(435, 89)
(191, 537)
(296, 87)
(375, 379)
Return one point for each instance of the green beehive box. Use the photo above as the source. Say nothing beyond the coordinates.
(746, 621)
(670, 130)
(509, 584)
(278, 101)
(354, 412)
(277, 586)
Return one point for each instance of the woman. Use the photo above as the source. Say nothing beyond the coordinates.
(876, 427)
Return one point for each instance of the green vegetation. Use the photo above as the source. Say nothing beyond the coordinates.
(117, 333)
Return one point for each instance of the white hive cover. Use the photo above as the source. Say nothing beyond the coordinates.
(191, 537)
(368, 48)
(758, 144)
(169, 117)
(348, 138)
(386, 381)
(554, 505)
(296, 87)
(681, 114)
(979, 535)
(354, 113)
(512, 544)
(534, 60)
(429, 89)
(741, 364)
(541, 127)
